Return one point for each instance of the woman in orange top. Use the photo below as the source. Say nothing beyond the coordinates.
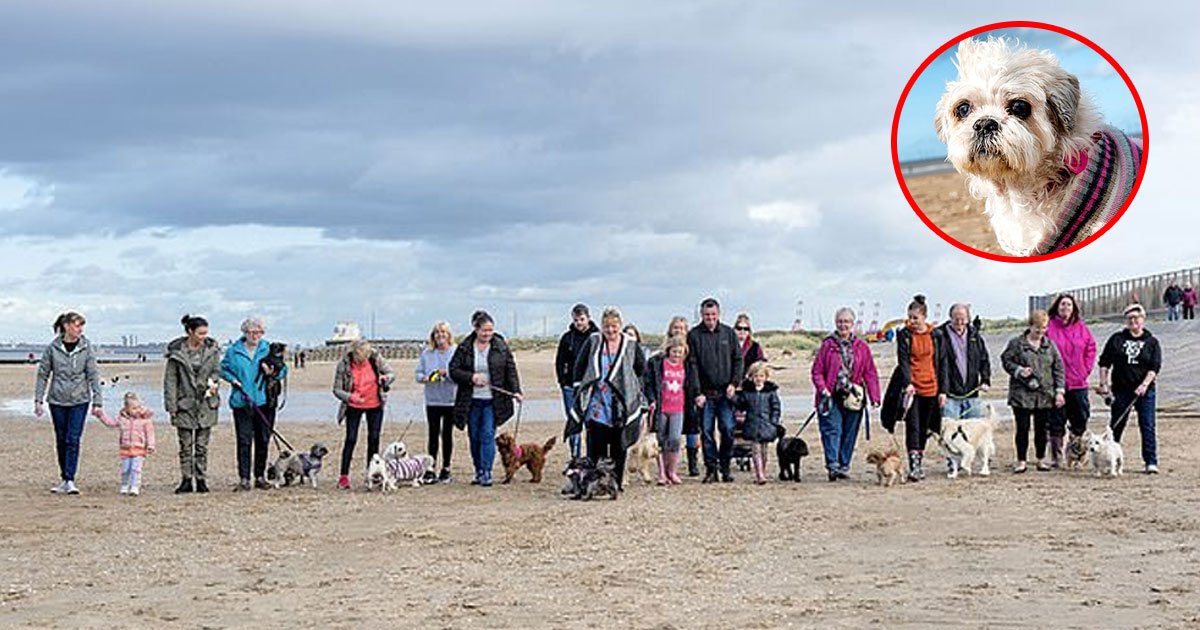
(915, 367)
(361, 381)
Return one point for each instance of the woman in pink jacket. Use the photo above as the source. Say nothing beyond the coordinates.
(135, 424)
(1078, 349)
(844, 377)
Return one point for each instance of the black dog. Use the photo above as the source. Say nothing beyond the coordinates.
(269, 370)
(790, 451)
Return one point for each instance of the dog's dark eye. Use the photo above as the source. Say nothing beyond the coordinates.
(1020, 108)
(962, 109)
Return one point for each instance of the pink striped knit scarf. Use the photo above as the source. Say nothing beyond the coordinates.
(1100, 182)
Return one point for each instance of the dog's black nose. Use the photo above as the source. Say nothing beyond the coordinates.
(986, 126)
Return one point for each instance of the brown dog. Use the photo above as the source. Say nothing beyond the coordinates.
(888, 467)
(530, 455)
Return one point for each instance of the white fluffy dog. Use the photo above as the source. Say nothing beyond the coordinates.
(395, 450)
(1107, 456)
(964, 441)
(377, 473)
(1033, 146)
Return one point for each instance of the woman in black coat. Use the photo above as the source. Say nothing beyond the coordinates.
(485, 371)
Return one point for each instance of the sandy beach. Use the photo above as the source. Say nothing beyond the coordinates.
(1033, 550)
(943, 197)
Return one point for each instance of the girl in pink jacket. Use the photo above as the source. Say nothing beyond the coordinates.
(135, 425)
(1078, 349)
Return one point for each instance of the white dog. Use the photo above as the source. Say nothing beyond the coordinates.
(1033, 145)
(395, 450)
(1107, 456)
(377, 473)
(410, 470)
(964, 441)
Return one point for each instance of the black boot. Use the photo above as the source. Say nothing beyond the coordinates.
(710, 475)
(201, 486)
(726, 476)
(693, 467)
(185, 486)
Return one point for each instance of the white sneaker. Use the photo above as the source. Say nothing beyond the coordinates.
(124, 489)
(1151, 469)
(133, 491)
(70, 488)
(60, 488)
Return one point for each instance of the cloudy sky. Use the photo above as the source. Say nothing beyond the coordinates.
(314, 161)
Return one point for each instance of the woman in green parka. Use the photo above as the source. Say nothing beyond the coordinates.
(192, 398)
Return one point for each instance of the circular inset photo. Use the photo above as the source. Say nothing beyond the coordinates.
(1019, 141)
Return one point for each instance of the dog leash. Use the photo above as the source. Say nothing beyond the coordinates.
(1124, 417)
(275, 436)
(520, 407)
(804, 424)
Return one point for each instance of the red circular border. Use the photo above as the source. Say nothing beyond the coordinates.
(1021, 24)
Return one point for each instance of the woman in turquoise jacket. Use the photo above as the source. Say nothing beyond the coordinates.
(247, 371)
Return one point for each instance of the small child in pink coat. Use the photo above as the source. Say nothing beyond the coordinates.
(135, 424)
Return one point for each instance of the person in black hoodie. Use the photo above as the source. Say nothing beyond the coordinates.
(569, 346)
(715, 368)
(1133, 358)
(485, 371)
(963, 368)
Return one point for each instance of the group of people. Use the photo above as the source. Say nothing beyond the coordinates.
(1180, 302)
(704, 384)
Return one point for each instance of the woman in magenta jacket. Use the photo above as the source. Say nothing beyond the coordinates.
(842, 370)
(1078, 349)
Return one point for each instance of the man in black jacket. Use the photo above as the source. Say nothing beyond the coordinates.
(714, 364)
(569, 346)
(963, 368)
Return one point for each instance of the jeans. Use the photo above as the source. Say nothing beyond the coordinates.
(574, 441)
(441, 426)
(253, 430)
(68, 432)
(669, 429)
(1041, 422)
(964, 409)
(131, 471)
(1173, 312)
(1144, 407)
(481, 433)
(839, 431)
(374, 428)
(717, 406)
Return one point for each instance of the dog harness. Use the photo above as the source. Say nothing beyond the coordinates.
(309, 463)
(1101, 180)
(406, 468)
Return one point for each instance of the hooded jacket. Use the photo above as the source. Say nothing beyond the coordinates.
(185, 388)
(1048, 375)
(238, 365)
(1078, 349)
(569, 346)
(74, 377)
(763, 411)
(502, 373)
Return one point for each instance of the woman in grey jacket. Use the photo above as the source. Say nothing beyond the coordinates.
(1037, 384)
(192, 398)
(433, 371)
(69, 367)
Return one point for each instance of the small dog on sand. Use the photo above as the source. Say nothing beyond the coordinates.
(529, 455)
(888, 466)
(1107, 456)
(290, 467)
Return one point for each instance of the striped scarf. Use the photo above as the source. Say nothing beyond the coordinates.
(1102, 179)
